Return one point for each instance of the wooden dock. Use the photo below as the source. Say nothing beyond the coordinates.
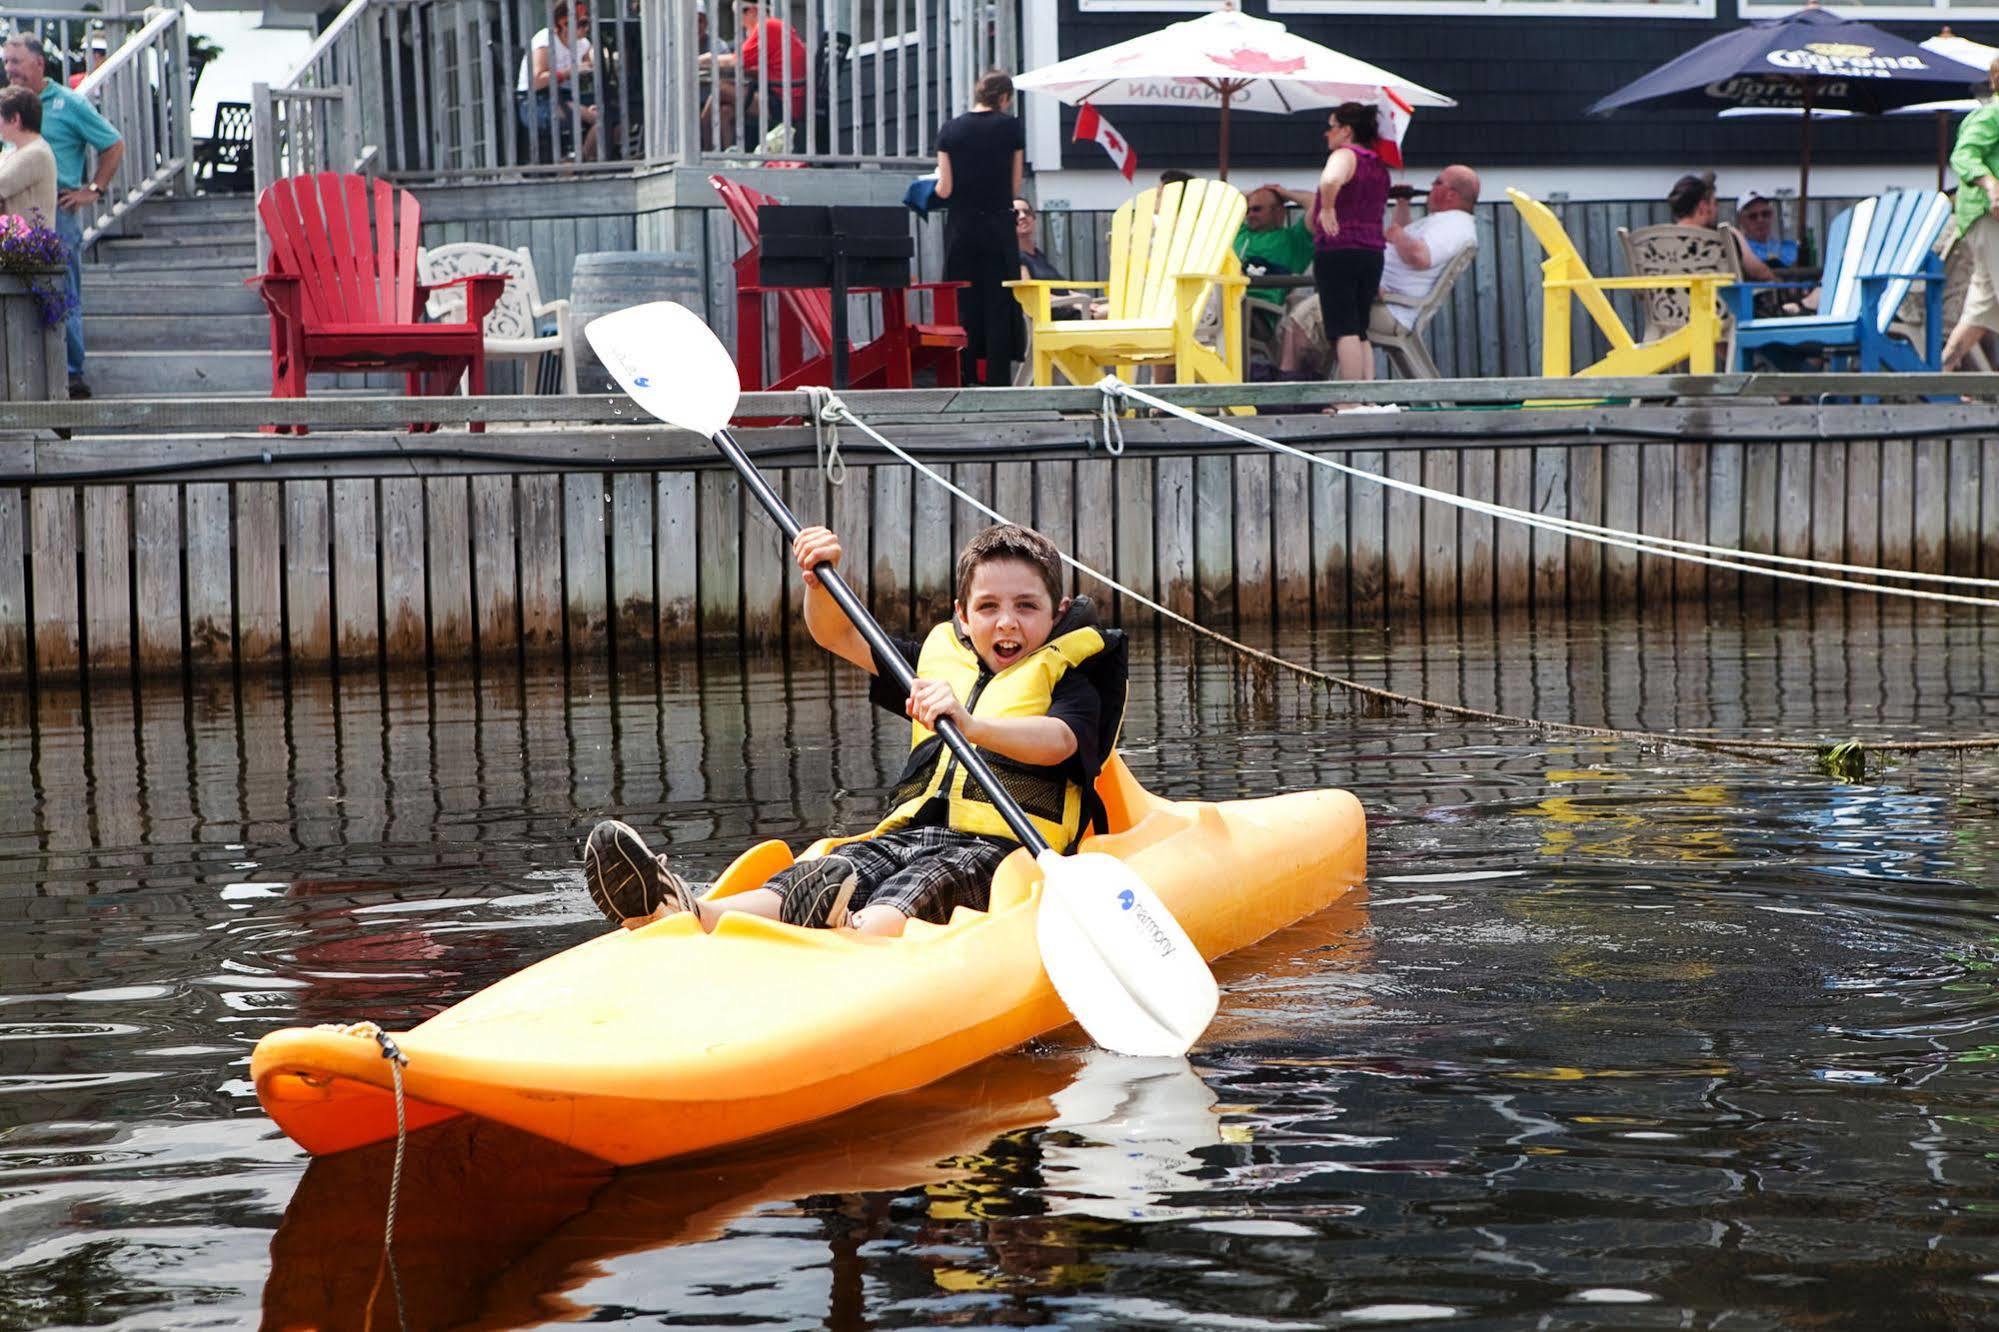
(160, 551)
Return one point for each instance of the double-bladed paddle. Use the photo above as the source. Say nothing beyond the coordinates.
(1117, 957)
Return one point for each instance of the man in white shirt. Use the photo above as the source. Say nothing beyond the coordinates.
(1418, 251)
(548, 76)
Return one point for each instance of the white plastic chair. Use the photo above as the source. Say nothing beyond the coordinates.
(513, 329)
(1407, 348)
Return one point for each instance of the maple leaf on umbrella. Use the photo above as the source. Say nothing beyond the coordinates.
(1246, 61)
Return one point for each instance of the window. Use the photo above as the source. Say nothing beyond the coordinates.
(1677, 9)
(1147, 6)
(1982, 10)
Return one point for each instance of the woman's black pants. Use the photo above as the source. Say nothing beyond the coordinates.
(980, 248)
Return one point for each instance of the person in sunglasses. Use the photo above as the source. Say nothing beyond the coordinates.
(1756, 219)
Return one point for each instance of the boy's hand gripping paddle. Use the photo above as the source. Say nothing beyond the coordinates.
(1117, 957)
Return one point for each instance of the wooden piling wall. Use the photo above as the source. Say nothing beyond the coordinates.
(640, 544)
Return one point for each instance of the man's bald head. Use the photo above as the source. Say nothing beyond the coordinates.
(1458, 186)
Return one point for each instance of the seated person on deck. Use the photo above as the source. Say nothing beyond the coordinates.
(1418, 252)
(1026, 675)
(545, 97)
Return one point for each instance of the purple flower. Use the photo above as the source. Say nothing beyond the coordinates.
(29, 249)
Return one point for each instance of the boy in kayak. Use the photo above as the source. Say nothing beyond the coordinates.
(1028, 677)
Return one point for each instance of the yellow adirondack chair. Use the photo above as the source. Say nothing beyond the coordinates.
(1565, 278)
(1171, 248)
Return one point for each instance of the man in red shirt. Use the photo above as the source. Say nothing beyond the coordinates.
(91, 62)
(775, 60)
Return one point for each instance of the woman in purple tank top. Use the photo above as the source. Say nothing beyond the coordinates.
(1346, 231)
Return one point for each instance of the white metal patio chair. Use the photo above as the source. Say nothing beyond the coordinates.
(1669, 248)
(515, 327)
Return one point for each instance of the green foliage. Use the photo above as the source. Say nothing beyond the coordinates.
(1846, 761)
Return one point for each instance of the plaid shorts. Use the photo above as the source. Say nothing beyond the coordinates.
(922, 872)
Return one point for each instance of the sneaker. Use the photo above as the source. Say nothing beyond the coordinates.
(626, 880)
(818, 894)
(79, 387)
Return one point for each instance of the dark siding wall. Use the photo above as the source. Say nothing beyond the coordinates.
(1521, 86)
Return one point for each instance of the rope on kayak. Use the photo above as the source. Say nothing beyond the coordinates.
(397, 1060)
(1692, 552)
(1845, 759)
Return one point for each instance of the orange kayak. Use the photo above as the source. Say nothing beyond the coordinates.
(645, 1044)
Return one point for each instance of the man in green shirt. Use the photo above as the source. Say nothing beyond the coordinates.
(1975, 161)
(1277, 243)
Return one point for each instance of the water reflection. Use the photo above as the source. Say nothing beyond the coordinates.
(1613, 1037)
(501, 1228)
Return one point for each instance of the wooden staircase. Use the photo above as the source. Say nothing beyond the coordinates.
(166, 311)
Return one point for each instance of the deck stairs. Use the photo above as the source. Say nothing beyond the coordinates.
(166, 311)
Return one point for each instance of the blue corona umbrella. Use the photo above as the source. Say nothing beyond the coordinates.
(1812, 61)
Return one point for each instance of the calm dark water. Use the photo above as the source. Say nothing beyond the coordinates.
(1615, 1037)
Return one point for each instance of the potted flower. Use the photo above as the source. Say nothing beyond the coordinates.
(34, 302)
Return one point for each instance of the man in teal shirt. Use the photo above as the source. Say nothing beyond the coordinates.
(1269, 239)
(71, 126)
(1975, 161)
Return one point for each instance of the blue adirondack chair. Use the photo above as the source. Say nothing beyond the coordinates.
(1874, 251)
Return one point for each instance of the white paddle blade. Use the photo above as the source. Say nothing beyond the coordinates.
(670, 363)
(1121, 963)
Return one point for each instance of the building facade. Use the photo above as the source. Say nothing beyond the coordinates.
(1522, 72)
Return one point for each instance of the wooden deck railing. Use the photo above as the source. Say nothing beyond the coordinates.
(432, 87)
(68, 35)
(143, 87)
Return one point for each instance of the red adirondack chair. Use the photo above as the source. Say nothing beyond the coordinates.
(343, 292)
(890, 361)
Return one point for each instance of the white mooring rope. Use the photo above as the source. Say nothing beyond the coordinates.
(834, 410)
(1644, 543)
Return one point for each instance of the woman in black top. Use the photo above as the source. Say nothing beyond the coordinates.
(1037, 267)
(979, 160)
(1034, 265)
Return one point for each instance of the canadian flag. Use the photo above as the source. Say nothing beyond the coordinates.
(1090, 125)
(1394, 113)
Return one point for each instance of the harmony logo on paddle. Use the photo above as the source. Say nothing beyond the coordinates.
(1126, 898)
(1161, 941)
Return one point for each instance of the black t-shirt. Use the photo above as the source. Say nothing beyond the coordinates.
(1074, 703)
(1039, 267)
(982, 145)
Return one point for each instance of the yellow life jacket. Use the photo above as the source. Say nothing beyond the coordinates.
(1055, 803)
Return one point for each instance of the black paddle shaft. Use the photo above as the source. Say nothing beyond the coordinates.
(843, 597)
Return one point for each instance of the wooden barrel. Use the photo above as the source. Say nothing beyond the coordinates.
(607, 280)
